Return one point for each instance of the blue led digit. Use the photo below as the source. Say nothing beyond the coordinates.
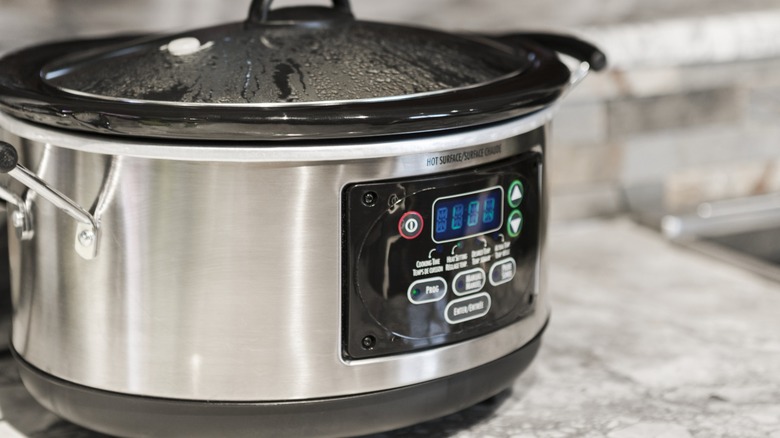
(457, 216)
(490, 210)
(467, 214)
(473, 213)
(441, 219)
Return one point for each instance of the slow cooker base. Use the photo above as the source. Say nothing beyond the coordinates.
(128, 415)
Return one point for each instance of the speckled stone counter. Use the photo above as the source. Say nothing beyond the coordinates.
(647, 340)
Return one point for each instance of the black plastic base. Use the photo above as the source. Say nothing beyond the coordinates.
(127, 415)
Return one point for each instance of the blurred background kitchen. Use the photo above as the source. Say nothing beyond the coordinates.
(686, 122)
(688, 113)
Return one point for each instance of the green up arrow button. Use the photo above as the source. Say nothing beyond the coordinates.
(515, 194)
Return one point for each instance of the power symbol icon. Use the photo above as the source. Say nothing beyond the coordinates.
(411, 225)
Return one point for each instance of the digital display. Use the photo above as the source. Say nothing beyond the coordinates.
(470, 214)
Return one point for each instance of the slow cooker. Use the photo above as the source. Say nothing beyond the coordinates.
(302, 224)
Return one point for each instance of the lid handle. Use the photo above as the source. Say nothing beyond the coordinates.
(260, 9)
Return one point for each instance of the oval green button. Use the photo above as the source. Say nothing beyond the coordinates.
(515, 223)
(515, 194)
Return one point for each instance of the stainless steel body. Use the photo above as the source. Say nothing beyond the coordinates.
(217, 275)
(5, 287)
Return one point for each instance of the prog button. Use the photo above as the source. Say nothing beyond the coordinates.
(427, 290)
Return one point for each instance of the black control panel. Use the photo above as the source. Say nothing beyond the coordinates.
(440, 259)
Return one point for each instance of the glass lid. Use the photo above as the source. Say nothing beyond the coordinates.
(296, 55)
(291, 73)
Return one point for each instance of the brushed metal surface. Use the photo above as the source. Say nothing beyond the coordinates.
(216, 280)
(281, 152)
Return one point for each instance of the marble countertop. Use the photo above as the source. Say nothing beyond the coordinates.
(647, 339)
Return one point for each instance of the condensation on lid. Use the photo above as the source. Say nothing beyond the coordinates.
(337, 60)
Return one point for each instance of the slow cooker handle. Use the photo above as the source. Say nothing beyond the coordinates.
(88, 230)
(259, 10)
(566, 44)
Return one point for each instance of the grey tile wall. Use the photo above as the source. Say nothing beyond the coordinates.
(630, 117)
(24, 21)
(670, 137)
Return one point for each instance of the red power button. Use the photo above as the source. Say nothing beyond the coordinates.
(411, 225)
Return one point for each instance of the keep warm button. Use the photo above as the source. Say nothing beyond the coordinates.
(502, 271)
(466, 309)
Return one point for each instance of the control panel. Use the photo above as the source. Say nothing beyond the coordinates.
(440, 259)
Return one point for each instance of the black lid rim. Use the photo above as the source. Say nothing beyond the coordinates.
(24, 94)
